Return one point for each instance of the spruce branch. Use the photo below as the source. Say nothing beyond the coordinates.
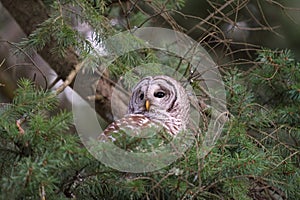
(29, 22)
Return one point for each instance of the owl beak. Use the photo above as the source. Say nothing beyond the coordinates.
(147, 105)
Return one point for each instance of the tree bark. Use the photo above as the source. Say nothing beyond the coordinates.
(29, 14)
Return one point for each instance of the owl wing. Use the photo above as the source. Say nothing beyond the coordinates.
(131, 124)
(135, 132)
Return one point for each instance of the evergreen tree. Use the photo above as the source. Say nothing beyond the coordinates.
(42, 157)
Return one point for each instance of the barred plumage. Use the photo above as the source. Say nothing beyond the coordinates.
(158, 101)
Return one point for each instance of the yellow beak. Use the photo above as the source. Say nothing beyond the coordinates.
(147, 105)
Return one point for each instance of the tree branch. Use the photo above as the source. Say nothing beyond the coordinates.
(29, 14)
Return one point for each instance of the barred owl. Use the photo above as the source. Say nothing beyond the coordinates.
(158, 101)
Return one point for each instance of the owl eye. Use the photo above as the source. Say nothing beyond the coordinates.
(141, 96)
(159, 94)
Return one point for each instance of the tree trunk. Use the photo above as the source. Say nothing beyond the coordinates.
(29, 14)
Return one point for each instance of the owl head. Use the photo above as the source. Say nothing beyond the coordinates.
(160, 98)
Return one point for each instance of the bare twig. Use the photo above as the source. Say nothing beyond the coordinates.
(31, 60)
(70, 77)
